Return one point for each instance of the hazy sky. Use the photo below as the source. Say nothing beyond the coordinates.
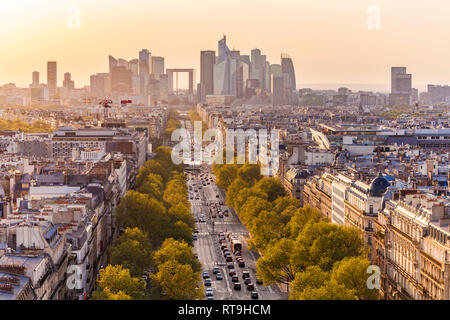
(328, 40)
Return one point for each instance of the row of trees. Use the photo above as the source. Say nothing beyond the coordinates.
(172, 123)
(318, 259)
(35, 127)
(157, 238)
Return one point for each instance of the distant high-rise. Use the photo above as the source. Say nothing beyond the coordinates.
(223, 70)
(51, 78)
(100, 84)
(278, 91)
(157, 65)
(35, 77)
(133, 65)
(401, 87)
(122, 80)
(144, 61)
(438, 94)
(256, 67)
(275, 69)
(112, 64)
(287, 67)
(68, 83)
(401, 82)
(207, 60)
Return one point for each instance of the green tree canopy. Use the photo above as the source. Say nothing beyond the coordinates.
(225, 175)
(175, 281)
(249, 173)
(322, 243)
(133, 251)
(352, 273)
(179, 251)
(152, 186)
(276, 265)
(272, 187)
(115, 282)
(180, 212)
(138, 210)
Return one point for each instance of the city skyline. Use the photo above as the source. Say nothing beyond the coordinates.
(308, 34)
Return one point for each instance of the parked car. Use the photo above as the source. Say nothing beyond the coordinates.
(254, 295)
(194, 237)
(259, 281)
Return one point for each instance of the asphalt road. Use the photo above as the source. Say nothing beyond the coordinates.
(207, 245)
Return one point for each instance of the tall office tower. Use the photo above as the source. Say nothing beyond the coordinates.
(258, 68)
(245, 65)
(278, 90)
(287, 67)
(112, 64)
(267, 77)
(222, 69)
(144, 61)
(157, 66)
(68, 83)
(401, 87)
(238, 79)
(275, 69)
(51, 78)
(207, 60)
(133, 65)
(395, 71)
(35, 82)
(277, 85)
(122, 80)
(254, 64)
(144, 73)
(100, 84)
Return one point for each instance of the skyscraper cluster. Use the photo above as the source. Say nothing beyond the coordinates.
(242, 76)
(144, 77)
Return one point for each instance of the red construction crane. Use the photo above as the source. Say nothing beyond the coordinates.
(107, 104)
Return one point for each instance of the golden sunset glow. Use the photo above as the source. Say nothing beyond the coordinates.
(328, 40)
